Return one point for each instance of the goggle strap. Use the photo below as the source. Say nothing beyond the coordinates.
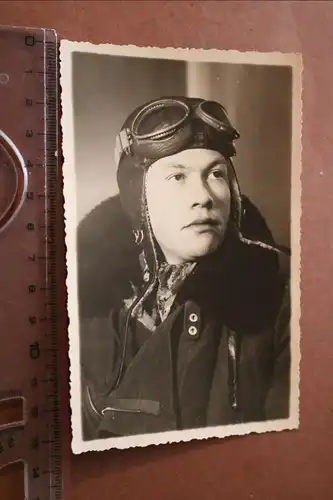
(123, 145)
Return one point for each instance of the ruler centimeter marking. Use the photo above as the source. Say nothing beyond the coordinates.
(29, 247)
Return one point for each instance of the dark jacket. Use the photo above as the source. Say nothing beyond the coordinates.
(233, 366)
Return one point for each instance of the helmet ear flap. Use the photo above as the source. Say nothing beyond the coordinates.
(130, 184)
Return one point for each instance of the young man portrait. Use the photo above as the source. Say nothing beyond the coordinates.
(193, 328)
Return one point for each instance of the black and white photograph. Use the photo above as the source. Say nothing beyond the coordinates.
(182, 198)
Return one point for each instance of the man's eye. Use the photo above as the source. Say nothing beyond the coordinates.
(217, 174)
(177, 177)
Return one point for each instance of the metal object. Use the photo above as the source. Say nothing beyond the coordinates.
(13, 181)
(30, 188)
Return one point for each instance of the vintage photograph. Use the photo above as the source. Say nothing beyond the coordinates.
(182, 196)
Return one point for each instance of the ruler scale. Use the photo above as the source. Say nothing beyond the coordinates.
(29, 221)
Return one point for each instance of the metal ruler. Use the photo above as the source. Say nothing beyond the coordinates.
(30, 221)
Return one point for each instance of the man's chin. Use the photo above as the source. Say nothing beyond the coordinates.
(205, 248)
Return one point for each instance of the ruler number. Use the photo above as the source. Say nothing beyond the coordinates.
(31, 195)
(29, 133)
(34, 412)
(32, 257)
(34, 350)
(30, 41)
(32, 320)
(32, 288)
(10, 443)
(35, 473)
(34, 382)
(30, 226)
(28, 102)
(29, 164)
(35, 443)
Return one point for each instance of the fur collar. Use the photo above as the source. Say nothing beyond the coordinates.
(242, 280)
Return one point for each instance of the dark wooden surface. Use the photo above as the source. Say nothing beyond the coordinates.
(293, 465)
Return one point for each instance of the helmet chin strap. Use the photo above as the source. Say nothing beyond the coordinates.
(236, 196)
(138, 236)
(237, 211)
(149, 277)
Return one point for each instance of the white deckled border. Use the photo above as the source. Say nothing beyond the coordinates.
(196, 55)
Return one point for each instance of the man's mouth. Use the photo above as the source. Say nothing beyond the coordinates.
(204, 223)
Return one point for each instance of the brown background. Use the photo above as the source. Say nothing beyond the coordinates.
(293, 465)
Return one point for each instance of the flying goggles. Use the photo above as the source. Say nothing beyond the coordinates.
(166, 126)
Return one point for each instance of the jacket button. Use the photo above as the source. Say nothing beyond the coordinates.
(193, 318)
(192, 330)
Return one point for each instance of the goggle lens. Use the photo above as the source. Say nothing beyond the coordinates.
(214, 110)
(215, 115)
(159, 119)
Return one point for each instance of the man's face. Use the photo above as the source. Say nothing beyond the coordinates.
(188, 201)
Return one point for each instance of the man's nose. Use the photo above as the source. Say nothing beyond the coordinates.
(200, 194)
